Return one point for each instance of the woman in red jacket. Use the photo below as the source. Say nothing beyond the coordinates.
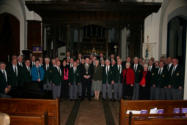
(128, 80)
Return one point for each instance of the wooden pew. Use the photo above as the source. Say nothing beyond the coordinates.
(167, 117)
(31, 107)
(28, 120)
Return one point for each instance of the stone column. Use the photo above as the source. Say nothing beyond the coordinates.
(185, 77)
(123, 46)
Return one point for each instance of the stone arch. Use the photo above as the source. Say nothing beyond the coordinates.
(17, 9)
(9, 36)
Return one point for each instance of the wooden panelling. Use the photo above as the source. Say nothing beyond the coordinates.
(32, 107)
(34, 34)
(168, 107)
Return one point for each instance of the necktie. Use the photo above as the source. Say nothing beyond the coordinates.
(16, 70)
(59, 71)
(4, 74)
(135, 67)
(173, 70)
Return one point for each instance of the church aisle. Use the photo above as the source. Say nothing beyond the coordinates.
(91, 113)
(65, 110)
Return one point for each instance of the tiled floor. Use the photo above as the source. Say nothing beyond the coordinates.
(89, 113)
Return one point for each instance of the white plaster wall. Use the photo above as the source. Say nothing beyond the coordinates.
(151, 35)
(168, 7)
(16, 8)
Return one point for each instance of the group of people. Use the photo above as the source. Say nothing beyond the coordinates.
(77, 78)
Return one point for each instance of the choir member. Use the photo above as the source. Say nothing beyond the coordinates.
(97, 79)
(138, 75)
(74, 79)
(145, 83)
(128, 82)
(176, 80)
(4, 86)
(107, 81)
(56, 81)
(118, 80)
(65, 80)
(86, 74)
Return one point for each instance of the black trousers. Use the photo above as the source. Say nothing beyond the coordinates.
(65, 89)
(127, 91)
(86, 85)
(144, 93)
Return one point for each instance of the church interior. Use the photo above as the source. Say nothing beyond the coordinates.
(97, 49)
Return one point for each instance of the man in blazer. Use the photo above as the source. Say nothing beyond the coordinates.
(176, 80)
(138, 76)
(107, 80)
(74, 79)
(4, 87)
(56, 80)
(15, 78)
(118, 80)
(86, 75)
(26, 72)
(161, 82)
(48, 73)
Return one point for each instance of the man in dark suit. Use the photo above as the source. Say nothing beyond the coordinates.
(20, 61)
(86, 74)
(176, 80)
(138, 76)
(4, 87)
(26, 72)
(74, 79)
(169, 67)
(15, 78)
(56, 80)
(153, 71)
(47, 76)
(161, 82)
(107, 80)
(118, 80)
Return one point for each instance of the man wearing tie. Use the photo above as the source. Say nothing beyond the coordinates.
(118, 81)
(107, 80)
(161, 82)
(138, 69)
(48, 73)
(74, 79)
(86, 74)
(176, 81)
(4, 87)
(20, 61)
(15, 78)
(33, 59)
(27, 79)
(56, 80)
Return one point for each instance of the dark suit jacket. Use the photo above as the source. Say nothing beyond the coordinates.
(138, 73)
(108, 76)
(3, 83)
(177, 79)
(56, 78)
(74, 77)
(26, 75)
(83, 71)
(48, 73)
(161, 79)
(14, 81)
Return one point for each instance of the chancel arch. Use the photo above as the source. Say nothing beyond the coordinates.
(9, 36)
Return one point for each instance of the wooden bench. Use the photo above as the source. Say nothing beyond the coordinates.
(28, 120)
(153, 119)
(31, 109)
